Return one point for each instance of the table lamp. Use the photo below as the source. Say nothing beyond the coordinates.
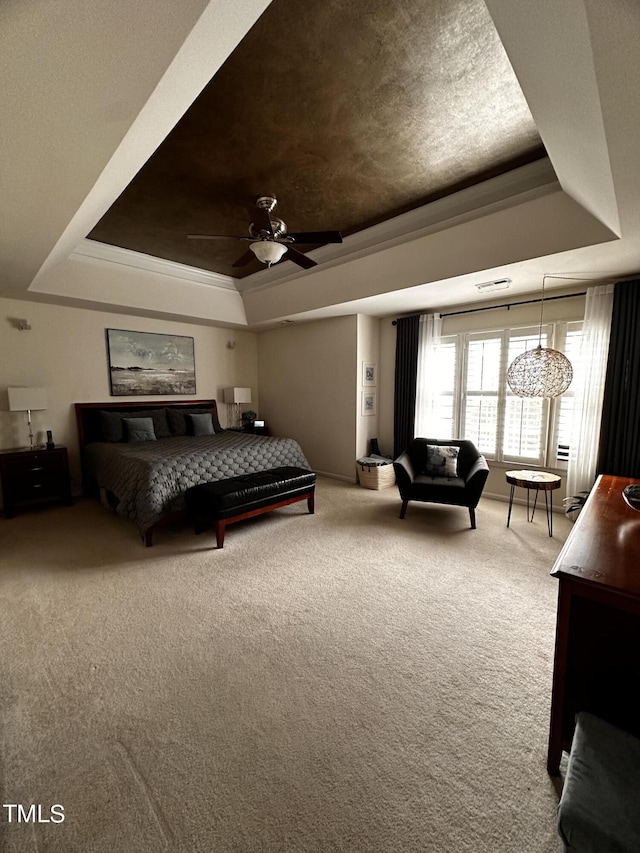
(236, 396)
(27, 400)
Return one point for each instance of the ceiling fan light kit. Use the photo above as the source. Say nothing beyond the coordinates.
(267, 251)
(269, 240)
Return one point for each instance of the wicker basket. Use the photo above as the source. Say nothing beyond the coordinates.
(376, 477)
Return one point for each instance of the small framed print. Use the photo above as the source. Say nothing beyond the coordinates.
(368, 373)
(368, 402)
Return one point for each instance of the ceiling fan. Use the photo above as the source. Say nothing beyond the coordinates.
(269, 240)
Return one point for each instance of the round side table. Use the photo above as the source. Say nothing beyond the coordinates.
(539, 481)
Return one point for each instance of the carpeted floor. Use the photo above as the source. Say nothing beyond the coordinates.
(340, 682)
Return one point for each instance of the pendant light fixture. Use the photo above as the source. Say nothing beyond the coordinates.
(540, 372)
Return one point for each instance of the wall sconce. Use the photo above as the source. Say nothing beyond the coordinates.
(20, 323)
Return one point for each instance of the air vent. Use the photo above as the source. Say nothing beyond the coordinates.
(498, 284)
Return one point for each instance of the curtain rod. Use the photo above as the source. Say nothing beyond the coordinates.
(509, 305)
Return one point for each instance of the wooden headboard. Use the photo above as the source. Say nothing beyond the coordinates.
(88, 419)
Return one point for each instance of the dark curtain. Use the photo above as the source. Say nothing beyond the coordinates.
(406, 376)
(620, 427)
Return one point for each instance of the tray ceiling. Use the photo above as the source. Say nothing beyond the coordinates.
(348, 113)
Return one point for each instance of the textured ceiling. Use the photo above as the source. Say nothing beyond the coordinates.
(348, 113)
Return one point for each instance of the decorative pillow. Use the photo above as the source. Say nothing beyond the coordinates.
(112, 429)
(442, 461)
(201, 424)
(139, 429)
(178, 419)
(159, 418)
(110, 426)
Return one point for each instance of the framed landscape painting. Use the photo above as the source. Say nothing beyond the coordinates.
(149, 363)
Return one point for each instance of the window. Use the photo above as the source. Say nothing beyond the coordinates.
(571, 343)
(482, 384)
(436, 417)
(471, 397)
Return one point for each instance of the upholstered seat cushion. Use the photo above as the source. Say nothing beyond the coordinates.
(438, 489)
(225, 498)
(599, 810)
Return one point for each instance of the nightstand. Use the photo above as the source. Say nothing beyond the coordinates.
(256, 430)
(252, 430)
(32, 477)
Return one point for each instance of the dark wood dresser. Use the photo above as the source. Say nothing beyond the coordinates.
(33, 477)
(597, 653)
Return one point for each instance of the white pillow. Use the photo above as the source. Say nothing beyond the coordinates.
(442, 461)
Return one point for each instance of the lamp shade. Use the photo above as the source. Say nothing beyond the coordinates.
(237, 395)
(540, 372)
(27, 399)
(267, 251)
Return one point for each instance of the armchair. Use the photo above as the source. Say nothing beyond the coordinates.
(417, 481)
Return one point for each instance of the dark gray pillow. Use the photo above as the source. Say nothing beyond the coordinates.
(110, 426)
(201, 424)
(112, 429)
(139, 429)
(159, 418)
(178, 419)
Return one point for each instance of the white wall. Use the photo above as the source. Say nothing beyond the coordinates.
(109, 286)
(66, 353)
(368, 345)
(307, 377)
(387, 384)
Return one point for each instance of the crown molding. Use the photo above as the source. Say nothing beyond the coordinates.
(501, 191)
(497, 193)
(106, 255)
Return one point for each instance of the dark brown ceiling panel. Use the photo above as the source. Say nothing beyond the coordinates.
(349, 113)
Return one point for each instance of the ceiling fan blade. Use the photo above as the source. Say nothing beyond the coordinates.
(261, 219)
(216, 237)
(245, 259)
(298, 258)
(316, 237)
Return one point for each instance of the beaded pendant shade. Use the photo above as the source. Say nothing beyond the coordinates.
(540, 372)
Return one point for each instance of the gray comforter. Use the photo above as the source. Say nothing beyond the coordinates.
(149, 480)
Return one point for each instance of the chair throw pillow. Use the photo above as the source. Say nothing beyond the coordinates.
(200, 424)
(442, 461)
(139, 429)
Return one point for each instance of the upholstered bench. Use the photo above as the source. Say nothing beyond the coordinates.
(599, 810)
(225, 501)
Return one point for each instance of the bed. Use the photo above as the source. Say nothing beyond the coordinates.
(146, 480)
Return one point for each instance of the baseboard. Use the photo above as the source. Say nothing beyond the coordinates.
(520, 501)
(332, 476)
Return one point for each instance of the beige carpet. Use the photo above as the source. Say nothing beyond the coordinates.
(339, 682)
